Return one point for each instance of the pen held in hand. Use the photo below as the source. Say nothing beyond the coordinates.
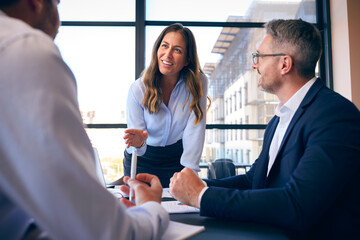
(133, 171)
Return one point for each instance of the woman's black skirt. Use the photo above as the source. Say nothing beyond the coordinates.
(160, 161)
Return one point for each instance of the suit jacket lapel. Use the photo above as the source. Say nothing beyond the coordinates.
(305, 102)
(261, 171)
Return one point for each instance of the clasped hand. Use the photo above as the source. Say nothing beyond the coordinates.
(186, 186)
(143, 192)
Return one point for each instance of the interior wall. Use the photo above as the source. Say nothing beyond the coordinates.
(353, 7)
(345, 37)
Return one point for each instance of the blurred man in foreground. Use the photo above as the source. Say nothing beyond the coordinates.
(48, 183)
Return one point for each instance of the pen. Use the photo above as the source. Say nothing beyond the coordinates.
(133, 171)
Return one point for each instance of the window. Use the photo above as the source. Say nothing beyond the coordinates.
(108, 44)
(235, 102)
(240, 99)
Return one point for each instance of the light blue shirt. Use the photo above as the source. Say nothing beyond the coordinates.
(286, 112)
(171, 123)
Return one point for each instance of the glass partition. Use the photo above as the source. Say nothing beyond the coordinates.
(97, 10)
(222, 11)
(103, 62)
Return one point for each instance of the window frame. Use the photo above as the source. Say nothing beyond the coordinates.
(140, 24)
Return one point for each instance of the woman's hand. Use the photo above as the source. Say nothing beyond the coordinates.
(135, 137)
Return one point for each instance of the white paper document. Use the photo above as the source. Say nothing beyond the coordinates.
(179, 231)
(166, 193)
(178, 207)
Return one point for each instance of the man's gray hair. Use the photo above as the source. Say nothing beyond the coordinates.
(300, 39)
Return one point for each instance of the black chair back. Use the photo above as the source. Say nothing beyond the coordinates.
(221, 168)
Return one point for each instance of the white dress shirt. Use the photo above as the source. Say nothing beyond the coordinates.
(47, 162)
(171, 123)
(286, 112)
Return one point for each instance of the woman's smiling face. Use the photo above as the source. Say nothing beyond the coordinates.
(171, 54)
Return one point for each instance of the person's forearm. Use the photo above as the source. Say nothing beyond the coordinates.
(150, 221)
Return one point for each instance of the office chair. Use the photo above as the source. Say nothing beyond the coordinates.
(221, 168)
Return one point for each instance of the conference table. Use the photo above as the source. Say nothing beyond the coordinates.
(227, 230)
(219, 229)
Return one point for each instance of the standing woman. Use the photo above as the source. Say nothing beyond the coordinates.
(166, 108)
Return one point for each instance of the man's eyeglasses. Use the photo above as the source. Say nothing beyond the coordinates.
(255, 56)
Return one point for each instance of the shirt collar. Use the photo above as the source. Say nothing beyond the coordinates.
(181, 79)
(294, 102)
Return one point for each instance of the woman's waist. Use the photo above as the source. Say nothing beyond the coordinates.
(161, 156)
(176, 146)
(161, 142)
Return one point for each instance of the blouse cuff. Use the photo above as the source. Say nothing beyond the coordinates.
(142, 149)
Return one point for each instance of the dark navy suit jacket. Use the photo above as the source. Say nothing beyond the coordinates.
(313, 188)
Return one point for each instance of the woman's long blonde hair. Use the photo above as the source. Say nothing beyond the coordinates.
(152, 75)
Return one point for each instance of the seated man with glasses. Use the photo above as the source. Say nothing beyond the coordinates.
(306, 179)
